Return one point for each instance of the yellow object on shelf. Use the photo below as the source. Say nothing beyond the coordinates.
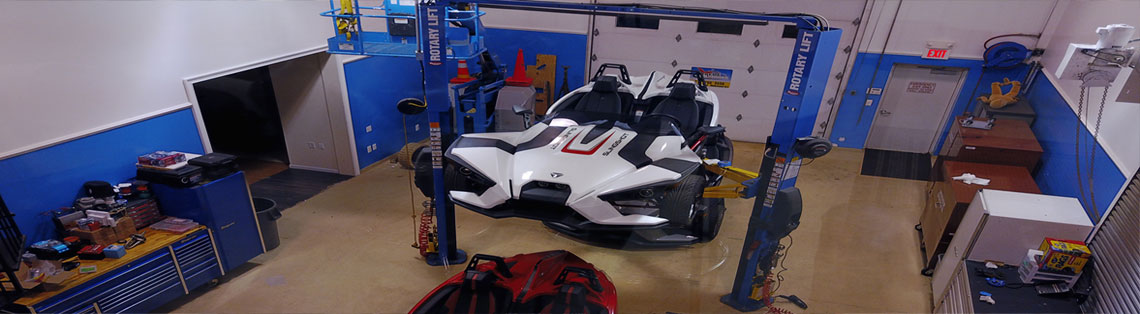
(997, 99)
(1064, 254)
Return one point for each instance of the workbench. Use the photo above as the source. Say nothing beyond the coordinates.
(165, 267)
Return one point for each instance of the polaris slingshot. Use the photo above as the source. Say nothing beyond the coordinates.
(616, 157)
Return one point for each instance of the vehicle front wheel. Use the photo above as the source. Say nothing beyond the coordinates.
(709, 219)
(679, 203)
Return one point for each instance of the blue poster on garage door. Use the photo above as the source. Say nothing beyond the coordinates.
(715, 77)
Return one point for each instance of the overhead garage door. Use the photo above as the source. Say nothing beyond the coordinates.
(1116, 254)
(758, 57)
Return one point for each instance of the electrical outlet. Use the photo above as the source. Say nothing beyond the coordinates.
(369, 148)
(417, 126)
(373, 146)
(842, 139)
(321, 146)
(311, 145)
(367, 128)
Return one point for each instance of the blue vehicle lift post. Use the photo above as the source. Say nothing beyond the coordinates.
(808, 72)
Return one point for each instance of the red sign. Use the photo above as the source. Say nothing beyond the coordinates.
(941, 54)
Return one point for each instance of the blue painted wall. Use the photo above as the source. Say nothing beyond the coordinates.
(1056, 129)
(853, 121)
(375, 84)
(39, 181)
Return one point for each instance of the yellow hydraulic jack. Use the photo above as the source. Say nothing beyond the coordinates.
(745, 188)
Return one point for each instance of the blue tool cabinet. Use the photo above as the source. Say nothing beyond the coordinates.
(224, 206)
(144, 283)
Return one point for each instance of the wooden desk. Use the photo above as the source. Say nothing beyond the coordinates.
(168, 264)
(947, 200)
(1009, 142)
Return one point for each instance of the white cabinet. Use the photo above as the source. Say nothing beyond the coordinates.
(957, 298)
(1001, 226)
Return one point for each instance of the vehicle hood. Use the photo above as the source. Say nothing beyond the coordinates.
(590, 160)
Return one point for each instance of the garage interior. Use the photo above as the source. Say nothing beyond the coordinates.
(604, 157)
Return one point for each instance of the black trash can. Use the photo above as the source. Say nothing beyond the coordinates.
(267, 215)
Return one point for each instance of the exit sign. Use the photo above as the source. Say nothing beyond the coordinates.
(940, 54)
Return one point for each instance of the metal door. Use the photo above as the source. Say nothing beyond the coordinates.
(914, 107)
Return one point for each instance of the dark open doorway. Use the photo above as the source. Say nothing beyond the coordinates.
(242, 119)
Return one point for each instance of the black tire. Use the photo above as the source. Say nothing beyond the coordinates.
(421, 158)
(679, 203)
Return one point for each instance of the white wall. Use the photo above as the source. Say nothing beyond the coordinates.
(645, 50)
(538, 21)
(967, 23)
(73, 67)
(1076, 22)
(299, 87)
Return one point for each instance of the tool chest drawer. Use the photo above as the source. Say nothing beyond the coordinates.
(158, 271)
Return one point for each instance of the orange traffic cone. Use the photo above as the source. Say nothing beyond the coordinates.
(463, 76)
(519, 77)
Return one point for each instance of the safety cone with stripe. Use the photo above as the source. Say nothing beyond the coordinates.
(463, 76)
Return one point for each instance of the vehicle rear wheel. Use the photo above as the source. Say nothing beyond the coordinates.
(679, 202)
(423, 172)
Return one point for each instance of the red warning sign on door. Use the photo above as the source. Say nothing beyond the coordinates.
(921, 87)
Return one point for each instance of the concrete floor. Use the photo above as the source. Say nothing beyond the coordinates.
(348, 250)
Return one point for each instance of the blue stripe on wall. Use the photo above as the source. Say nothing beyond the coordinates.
(36, 182)
(1056, 129)
(375, 84)
(853, 119)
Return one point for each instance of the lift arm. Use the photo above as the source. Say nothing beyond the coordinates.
(747, 184)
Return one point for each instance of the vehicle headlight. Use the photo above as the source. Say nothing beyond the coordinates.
(458, 177)
(647, 193)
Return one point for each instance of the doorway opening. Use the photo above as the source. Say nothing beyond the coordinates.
(241, 117)
(279, 116)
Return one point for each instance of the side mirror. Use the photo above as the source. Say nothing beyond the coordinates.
(520, 110)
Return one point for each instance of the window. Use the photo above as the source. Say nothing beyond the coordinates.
(791, 31)
(731, 28)
(638, 21)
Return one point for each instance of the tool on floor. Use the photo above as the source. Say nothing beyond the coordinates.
(987, 297)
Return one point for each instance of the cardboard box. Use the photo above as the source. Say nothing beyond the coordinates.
(124, 228)
(103, 236)
(55, 282)
(21, 276)
(1060, 255)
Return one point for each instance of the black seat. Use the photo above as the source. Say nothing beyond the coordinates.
(602, 98)
(681, 104)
